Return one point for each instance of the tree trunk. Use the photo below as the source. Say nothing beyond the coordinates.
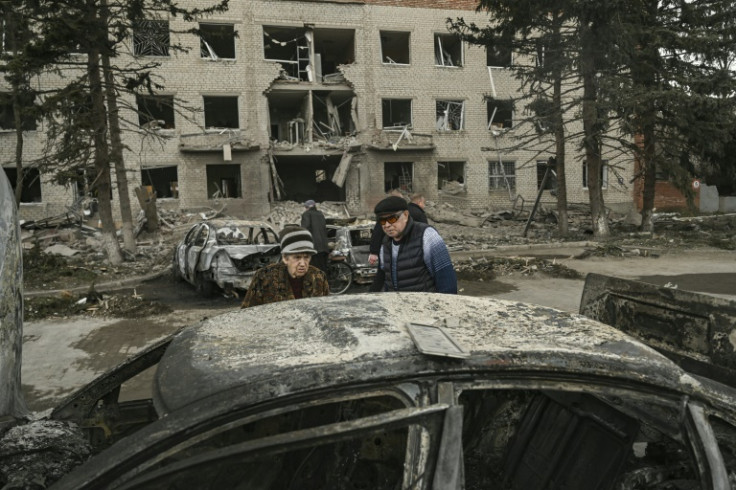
(20, 174)
(148, 204)
(649, 169)
(591, 130)
(12, 403)
(116, 154)
(102, 159)
(559, 127)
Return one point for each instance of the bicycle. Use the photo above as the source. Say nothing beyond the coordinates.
(339, 275)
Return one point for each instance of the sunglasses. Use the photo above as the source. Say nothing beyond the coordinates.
(390, 219)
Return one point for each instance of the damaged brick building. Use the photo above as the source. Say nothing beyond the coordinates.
(326, 100)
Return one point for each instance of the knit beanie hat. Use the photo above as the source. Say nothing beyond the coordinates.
(295, 240)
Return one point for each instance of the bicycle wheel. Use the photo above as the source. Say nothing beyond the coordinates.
(339, 277)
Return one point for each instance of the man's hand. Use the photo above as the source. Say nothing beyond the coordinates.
(372, 259)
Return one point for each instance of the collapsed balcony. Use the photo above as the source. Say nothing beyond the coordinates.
(226, 140)
(400, 138)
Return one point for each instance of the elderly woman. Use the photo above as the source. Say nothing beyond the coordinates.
(293, 277)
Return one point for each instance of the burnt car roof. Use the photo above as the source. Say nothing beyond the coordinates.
(220, 223)
(291, 347)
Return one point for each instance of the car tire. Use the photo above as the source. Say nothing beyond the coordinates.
(339, 277)
(204, 287)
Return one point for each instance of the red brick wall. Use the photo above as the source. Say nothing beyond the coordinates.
(666, 197)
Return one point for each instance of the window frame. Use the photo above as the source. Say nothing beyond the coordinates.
(439, 50)
(221, 99)
(389, 101)
(397, 37)
(604, 175)
(144, 33)
(158, 101)
(499, 177)
(206, 47)
(443, 127)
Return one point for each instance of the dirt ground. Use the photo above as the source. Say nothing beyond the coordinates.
(84, 317)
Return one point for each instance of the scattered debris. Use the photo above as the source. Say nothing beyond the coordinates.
(486, 268)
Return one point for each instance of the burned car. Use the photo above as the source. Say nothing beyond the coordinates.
(225, 254)
(410, 391)
(351, 240)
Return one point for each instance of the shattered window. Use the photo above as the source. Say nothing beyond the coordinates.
(7, 115)
(217, 41)
(451, 176)
(232, 235)
(396, 112)
(398, 175)
(163, 180)
(151, 38)
(395, 47)
(223, 181)
(500, 113)
(448, 50)
(450, 115)
(155, 111)
(502, 175)
(221, 112)
(31, 191)
(498, 56)
(551, 178)
(604, 174)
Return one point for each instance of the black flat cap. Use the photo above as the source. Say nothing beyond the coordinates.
(391, 204)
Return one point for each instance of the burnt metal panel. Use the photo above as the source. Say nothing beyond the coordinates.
(695, 330)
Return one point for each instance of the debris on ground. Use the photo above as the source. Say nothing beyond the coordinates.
(486, 269)
(119, 305)
(38, 453)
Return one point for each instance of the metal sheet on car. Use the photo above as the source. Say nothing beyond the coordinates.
(435, 341)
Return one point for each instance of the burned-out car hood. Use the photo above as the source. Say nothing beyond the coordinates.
(283, 348)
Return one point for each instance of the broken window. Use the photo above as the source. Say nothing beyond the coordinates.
(155, 111)
(217, 41)
(290, 46)
(306, 176)
(448, 50)
(551, 182)
(451, 175)
(395, 47)
(450, 115)
(500, 113)
(502, 175)
(151, 38)
(7, 115)
(396, 112)
(223, 181)
(398, 175)
(221, 112)
(163, 180)
(498, 56)
(287, 113)
(332, 114)
(604, 174)
(31, 191)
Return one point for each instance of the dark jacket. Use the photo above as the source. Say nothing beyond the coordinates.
(417, 213)
(314, 221)
(412, 272)
(376, 239)
(271, 284)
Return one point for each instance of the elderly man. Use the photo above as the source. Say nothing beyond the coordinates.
(293, 277)
(413, 256)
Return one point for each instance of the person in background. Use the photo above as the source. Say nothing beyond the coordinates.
(416, 208)
(314, 221)
(293, 277)
(413, 256)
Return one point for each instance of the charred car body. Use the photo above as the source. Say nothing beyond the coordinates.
(411, 391)
(352, 241)
(225, 253)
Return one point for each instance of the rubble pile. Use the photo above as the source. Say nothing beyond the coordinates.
(486, 268)
(37, 454)
(290, 212)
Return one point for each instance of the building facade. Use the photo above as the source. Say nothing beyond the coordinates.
(324, 100)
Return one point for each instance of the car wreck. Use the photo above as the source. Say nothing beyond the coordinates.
(411, 391)
(352, 241)
(225, 254)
